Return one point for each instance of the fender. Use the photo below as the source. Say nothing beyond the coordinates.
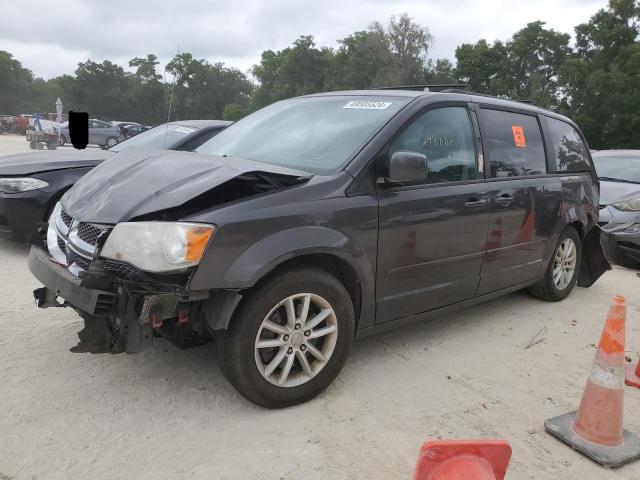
(271, 251)
(262, 257)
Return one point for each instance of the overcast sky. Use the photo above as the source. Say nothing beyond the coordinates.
(50, 38)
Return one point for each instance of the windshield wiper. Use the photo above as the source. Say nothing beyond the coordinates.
(612, 179)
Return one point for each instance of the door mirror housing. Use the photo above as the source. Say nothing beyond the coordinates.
(407, 167)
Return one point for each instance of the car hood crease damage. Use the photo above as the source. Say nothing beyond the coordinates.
(112, 192)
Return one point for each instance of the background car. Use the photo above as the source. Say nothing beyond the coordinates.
(129, 130)
(31, 183)
(101, 133)
(619, 173)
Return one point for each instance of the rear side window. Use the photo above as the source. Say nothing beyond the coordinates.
(570, 154)
(513, 143)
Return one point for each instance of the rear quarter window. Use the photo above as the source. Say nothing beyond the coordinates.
(513, 144)
(570, 154)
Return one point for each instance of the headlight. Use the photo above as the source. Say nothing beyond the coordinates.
(632, 205)
(158, 246)
(21, 184)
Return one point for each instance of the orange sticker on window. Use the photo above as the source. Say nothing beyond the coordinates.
(518, 136)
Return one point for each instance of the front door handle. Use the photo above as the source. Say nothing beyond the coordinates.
(473, 203)
(504, 200)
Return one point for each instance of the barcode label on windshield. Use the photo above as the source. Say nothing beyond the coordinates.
(363, 104)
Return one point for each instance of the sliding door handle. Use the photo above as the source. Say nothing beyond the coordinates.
(473, 203)
(503, 200)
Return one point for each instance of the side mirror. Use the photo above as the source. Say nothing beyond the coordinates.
(406, 167)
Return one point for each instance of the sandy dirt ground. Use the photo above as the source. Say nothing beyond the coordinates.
(13, 143)
(167, 413)
(494, 371)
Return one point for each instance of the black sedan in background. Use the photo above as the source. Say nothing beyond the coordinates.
(619, 173)
(31, 183)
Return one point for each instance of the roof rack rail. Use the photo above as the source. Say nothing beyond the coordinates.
(425, 88)
(453, 88)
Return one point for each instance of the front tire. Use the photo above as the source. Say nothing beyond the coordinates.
(562, 273)
(289, 339)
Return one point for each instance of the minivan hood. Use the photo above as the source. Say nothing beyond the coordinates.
(611, 192)
(142, 181)
(36, 162)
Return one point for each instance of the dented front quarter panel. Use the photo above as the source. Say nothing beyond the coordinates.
(258, 234)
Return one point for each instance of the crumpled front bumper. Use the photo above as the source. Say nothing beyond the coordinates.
(59, 282)
(126, 316)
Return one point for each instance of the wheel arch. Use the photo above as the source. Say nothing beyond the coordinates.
(323, 248)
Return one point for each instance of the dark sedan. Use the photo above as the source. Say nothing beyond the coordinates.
(31, 183)
(619, 173)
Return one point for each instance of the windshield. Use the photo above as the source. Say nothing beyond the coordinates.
(162, 136)
(315, 134)
(625, 168)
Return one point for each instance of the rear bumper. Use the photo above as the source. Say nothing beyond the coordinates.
(61, 283)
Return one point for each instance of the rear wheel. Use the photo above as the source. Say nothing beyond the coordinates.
(290, 338)
(562, 272)
(111, 141)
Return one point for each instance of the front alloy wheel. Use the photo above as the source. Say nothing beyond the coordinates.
(290, 337)
(296, 340)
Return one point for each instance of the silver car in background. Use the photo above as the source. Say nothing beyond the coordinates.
(619, 174)
(101, 133)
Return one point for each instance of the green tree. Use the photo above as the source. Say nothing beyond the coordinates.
(527, 66)
(535, 57)
(296, 70)
(15, 85)
(362, 61)
(602, 78)
(202, 90)
(102, 89)
(409, 44)
(149, 103)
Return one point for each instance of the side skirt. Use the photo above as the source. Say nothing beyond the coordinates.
(418, 317)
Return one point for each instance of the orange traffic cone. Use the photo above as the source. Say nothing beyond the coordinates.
(494, 239)
(632, 375)
(596, 428)
(463, 460)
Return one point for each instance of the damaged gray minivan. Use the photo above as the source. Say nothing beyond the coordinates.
(319, 219)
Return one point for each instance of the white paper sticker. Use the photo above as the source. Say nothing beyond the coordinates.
(184, 129)
(366, 105)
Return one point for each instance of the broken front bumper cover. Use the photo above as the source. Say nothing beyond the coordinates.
(59, 282)
(111, 324)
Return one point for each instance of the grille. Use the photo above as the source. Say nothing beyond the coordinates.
(82, 262)
(118, 268)
(66, 218)
(61, 245)
(89, 233)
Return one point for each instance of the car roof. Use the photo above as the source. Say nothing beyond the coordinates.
(616, 153)
(446, 95)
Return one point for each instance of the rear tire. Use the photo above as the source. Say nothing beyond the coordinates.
(566, 260)
(264, 316)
